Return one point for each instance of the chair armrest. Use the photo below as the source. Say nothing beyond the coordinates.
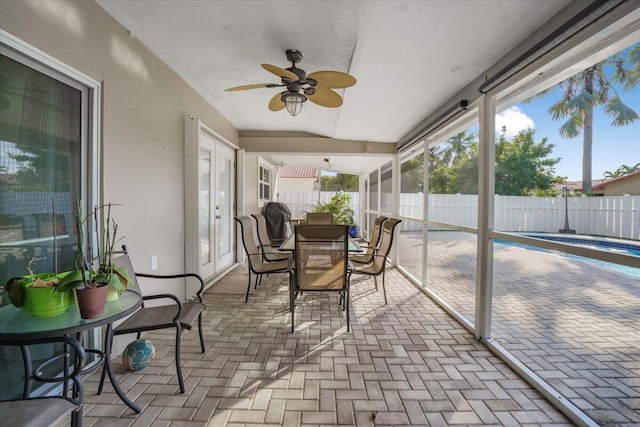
(167, 296)
(177, 276)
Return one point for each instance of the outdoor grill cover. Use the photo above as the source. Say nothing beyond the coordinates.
(278, 216)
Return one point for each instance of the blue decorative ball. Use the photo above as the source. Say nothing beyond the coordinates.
(138, 354)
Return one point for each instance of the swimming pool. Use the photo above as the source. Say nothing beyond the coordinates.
(601, 243)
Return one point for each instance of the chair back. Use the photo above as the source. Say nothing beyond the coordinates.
(322, 218)
(376, 236)
(11, 228)
(45, 225)
(121, 259)
(263, 234)
(386, 242)
(321, 257)
(249, 239)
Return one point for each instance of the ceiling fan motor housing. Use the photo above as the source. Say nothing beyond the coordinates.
(294, 55)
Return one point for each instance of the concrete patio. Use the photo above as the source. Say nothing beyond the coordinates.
(406, 363)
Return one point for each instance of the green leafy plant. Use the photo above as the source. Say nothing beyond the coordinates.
(93, 272)
(16, 286)
(338, 205)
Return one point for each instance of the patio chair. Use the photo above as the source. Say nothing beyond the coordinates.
(257, 265)
(372, 245)
(48, 410)
(179, 315)
(45, 228)
(269, 252)
(378, 266)
(13, 259)
(321, 263)
(322, 218)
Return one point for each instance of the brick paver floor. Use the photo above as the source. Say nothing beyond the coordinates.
(574, 324)
(406, 363)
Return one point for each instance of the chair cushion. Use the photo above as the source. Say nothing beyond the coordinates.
(160, 317)
(44, 411)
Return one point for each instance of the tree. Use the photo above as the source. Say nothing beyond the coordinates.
(622, 170)
(589, 88)
(340, 182)
(523, 167)
(412, 175)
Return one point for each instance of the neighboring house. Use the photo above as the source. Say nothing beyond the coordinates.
(626, 184)
(298, 178)
(576, 186)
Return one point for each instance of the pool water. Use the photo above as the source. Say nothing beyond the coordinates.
(609, 246)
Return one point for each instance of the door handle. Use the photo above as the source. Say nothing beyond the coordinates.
(218, 217)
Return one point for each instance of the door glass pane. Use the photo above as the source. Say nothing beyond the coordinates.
(205, 206)
(40, 169)
(224, 197)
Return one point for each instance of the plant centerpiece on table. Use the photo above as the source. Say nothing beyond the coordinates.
(342, 213)
(95, 275)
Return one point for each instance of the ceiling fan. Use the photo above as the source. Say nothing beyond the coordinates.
(315, 87)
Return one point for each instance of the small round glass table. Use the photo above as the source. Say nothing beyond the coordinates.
(19, 327)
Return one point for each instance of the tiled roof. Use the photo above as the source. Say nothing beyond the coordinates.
(298, 171)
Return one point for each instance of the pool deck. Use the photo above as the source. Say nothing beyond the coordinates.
(574, 324)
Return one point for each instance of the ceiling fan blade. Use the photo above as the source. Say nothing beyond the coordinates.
(325, 98)
(333, 79)
(247, 87)
(276, 103)
(280, 72)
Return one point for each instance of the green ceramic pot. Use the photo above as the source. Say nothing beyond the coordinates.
(45, 302)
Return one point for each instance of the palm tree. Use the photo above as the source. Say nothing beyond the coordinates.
(456, 147)
(622, 170)
(589, 88)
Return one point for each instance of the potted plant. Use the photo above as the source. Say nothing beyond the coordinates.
(37, 292)
(94, 276)
(342, 213)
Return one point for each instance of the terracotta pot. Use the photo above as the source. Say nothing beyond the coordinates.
(91, 301)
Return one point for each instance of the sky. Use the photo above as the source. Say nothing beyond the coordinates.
(612, 146)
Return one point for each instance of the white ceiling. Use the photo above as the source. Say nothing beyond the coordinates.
(409, 57)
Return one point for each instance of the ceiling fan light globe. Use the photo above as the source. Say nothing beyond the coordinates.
(293, 102)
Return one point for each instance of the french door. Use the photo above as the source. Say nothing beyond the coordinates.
(216, 199)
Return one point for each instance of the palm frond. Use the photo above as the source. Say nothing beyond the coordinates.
(621, 113)
(582, 100)
(572, 127)
(558, 110)
(634, 54)
(633, 78)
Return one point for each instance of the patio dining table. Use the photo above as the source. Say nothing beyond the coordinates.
(289, 245)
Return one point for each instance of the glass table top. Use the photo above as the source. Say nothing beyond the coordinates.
(20, 324)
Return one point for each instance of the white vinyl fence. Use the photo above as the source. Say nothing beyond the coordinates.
(616, 216)
(301, 202)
